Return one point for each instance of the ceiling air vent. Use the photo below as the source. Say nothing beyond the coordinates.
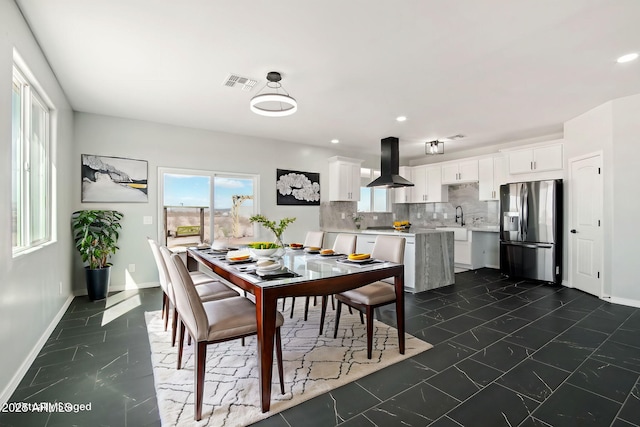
(243, 83)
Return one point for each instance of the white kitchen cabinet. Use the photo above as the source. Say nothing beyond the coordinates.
(404, 194)
(428, 187)
(460, 172)
(491, 174)
(364, 243)
(344, 179)
(537, 159)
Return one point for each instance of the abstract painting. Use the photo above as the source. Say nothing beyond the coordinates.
(113, 179)
(297, 188)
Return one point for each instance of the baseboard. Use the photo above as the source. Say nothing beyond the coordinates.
(625, 301)
(28, 361)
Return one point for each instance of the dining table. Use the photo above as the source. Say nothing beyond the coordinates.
(302, 274)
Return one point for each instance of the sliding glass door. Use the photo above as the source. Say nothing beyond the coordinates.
(206, 207)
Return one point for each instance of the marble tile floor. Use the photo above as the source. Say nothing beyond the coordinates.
(507, 352)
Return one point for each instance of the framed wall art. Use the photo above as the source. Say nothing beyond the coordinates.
(113, 179)
(297, 188)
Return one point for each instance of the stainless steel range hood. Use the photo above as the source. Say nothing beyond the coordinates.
(390, 166)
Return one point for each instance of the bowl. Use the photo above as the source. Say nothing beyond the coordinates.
(263, 252)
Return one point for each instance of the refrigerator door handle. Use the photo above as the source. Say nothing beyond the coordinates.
(528, 245)
(525, 211)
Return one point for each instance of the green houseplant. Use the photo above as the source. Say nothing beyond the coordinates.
(277, 229)
(96, 233)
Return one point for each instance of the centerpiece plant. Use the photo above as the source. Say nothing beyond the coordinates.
(276, 228)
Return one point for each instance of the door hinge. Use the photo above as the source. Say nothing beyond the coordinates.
(598, 274)
(598, 223)
(598, 171)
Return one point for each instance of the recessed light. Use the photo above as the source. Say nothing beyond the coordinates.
(335, 141)
(628, 57)
(401, 118)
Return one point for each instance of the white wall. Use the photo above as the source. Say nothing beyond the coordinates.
(588, 133)
(171, 146)
(30, 296)
(626, 200)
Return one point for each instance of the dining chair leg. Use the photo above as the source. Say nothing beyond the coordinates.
(180, 345)
(165, 310)
(174, 327)
(333, 304)
(279, 359)
(306, 308)
(338, 309)
(293, 304)
(189, 339)
(323, 312)
(201, 356)
(361, 318)
(369, 330)
(283, 301)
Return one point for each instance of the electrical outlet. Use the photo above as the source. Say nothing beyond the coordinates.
(445, 216)
(147, 220)
(375, 217)
(435, 215)
(132, 268)
(60, 287)
(393, 216)
(419, 215)
(343, 215)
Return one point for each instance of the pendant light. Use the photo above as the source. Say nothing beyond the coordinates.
(273, 103)
(433, 147)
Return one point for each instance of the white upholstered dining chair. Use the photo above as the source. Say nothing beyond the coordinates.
(207, 287)
(377, 294)
(213, 322)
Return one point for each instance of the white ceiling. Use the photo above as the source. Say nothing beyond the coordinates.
(494, 70)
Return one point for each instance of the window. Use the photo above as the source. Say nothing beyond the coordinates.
(30, 166)
(372, 199)
(190, 197)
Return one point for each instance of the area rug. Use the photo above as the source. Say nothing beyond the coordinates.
(312, 365)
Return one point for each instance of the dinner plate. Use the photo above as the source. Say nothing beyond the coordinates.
(238, 261)
(359, 261)
(331, 254)
(272, 267)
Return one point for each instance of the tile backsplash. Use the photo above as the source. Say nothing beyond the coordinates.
(429, 215)
(421, 215)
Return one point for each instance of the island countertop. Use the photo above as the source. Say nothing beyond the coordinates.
(429, 254)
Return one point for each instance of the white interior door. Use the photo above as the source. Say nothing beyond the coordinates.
(585, 227)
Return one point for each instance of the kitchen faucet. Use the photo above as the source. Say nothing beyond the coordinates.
(461, 216)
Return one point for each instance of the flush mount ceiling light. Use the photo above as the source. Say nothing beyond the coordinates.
(627, 58)
(335, 141)
(273, 103)
(433, 147)
(401, 118)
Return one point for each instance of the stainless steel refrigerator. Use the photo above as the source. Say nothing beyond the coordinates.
(531, 230)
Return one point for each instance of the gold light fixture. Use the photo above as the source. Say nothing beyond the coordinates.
(273, 103)
(433, 147)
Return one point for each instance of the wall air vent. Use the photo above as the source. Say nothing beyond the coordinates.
(244, 83)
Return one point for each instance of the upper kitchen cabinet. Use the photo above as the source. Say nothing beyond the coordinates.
(491, 174)
(536, 159)
(344, 179)
(460, 172)
(404, 194)
(428, 187)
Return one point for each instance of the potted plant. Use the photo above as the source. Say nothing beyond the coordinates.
(277, 229)
(96, 233)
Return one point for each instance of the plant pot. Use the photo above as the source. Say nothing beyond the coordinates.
(97, 282)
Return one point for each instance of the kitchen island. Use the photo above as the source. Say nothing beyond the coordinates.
(428, 257)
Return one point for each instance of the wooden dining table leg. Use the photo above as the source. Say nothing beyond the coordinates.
(399, 285)
(266, 306)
